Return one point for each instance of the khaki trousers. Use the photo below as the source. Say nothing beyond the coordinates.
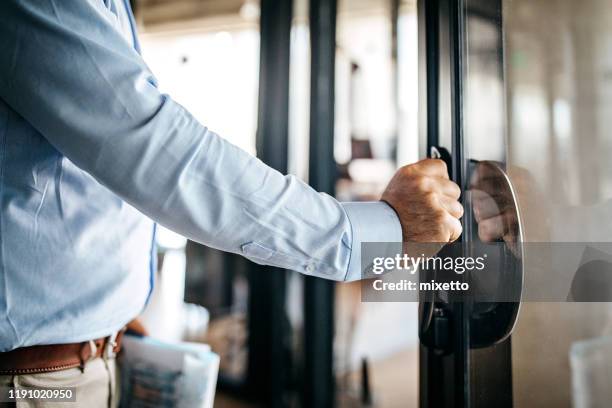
(96, 386)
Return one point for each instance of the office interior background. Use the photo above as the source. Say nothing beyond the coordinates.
(339, 93)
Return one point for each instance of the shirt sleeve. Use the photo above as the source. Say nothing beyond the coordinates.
(66, 69)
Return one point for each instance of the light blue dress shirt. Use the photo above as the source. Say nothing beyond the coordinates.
(91, 152)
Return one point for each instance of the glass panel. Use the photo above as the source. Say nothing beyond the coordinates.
(484, 114)
(538, 98)
(559, 100)
(484, 146)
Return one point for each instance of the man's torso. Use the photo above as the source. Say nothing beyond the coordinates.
(75, 260)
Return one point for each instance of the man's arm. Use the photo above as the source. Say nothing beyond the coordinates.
(67, 70)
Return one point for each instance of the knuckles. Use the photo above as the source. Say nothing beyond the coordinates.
(408, 171)
(433, 165)
(430, 200)
(420, 183)
(440, 166)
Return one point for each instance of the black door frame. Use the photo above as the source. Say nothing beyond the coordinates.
(444, 361)
(451, 373)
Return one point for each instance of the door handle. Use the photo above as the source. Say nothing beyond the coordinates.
(493, 322)
(490, 322)
(441, 153)
(435, 315)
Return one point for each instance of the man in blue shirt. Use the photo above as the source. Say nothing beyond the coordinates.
(92, 154)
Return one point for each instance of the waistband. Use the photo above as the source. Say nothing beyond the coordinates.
(56, 357)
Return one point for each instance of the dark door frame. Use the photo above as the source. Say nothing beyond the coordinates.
(452, 373)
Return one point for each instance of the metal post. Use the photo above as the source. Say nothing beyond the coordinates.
(461, 310)
(269, 335)
(319, 382)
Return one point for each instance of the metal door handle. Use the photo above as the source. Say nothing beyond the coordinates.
(490, 322)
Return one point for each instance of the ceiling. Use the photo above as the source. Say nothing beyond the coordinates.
(163, 15)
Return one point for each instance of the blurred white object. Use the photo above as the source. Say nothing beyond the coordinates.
(195, 320)
(155, 373)
(164, 315)
(591, 365)
(371, 170)
(167, 317)
(167, 239)
(250, 10)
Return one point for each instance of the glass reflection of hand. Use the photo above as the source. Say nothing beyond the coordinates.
(493, 205)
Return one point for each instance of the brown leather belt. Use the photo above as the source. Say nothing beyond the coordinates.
(56, 357)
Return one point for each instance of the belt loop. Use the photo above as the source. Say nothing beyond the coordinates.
(109, 347)
(93, 351)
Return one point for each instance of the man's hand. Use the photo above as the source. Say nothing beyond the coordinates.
(136, 327)
(426, 202)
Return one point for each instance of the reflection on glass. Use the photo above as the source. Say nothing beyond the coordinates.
(545, 113)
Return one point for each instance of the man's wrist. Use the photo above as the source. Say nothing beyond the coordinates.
(399, 219)
(373, 221)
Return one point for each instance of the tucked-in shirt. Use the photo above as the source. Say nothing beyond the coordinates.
(92, 154)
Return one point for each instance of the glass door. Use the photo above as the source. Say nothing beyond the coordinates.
(520, 94)
(559, 104)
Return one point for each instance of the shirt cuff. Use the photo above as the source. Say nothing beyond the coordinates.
(370, 222)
